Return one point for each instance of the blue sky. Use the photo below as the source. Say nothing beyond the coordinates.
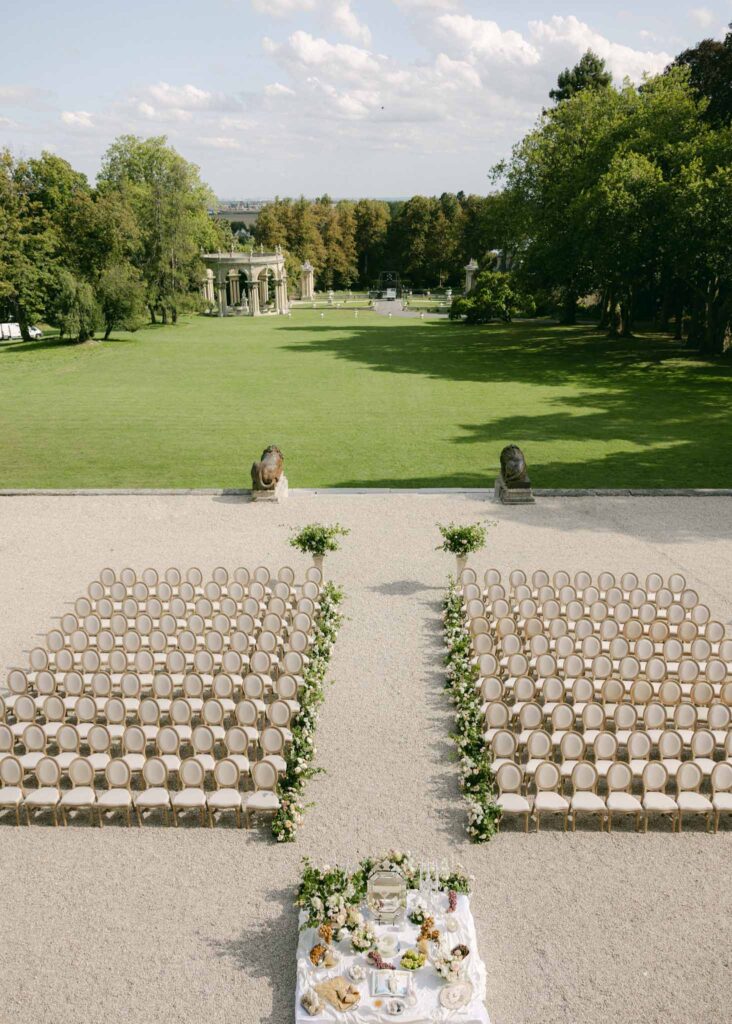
(352, 97)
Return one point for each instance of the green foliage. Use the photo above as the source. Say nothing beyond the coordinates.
(494, 297)
(590, 72)
(121, 296)
(318, 539)
(710, 74)
(74, 308)
(462, 540)
(476, 771)
(301, 752)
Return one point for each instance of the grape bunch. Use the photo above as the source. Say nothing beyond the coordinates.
(452, 901)
(375, 957)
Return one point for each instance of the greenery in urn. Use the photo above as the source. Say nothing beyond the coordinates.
(463, 540)
(317, 539)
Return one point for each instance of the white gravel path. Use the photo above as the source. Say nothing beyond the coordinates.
(189, 925)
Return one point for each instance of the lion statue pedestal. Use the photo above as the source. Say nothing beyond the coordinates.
(513, 486)
(269, 482)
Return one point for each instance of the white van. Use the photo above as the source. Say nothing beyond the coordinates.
(11, 332)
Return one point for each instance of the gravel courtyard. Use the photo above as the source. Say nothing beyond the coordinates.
(190, 925)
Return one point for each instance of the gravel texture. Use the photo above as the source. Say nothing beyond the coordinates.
(190, 925)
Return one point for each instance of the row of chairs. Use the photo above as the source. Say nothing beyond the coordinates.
(118, 795)
(581, 580)
(620, 800)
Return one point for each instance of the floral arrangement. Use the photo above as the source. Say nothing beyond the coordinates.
(476, 773)
(330, 896)
(450, 965)
(418, 913)
(327, 896)
(302, 750)
(317, 539)
(451, 901)
(463, 540)
(363, 938)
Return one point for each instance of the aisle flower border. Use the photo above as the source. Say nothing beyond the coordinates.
(477, 780)
(301, 753)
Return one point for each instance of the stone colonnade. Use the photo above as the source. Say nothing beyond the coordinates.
(240, 282)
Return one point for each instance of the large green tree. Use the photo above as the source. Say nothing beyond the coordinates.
(590, 72)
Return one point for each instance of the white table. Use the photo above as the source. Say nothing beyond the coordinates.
(427, 984)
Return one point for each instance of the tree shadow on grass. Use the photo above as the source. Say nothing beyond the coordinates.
(666, 407)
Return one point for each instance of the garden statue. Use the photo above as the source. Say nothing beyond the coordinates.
(268, 479)
(513, 485)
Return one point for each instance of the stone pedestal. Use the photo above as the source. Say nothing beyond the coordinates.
(279, 493)
(517, 494)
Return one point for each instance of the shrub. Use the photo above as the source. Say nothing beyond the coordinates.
(463, 540)
(317, 539)
(494, 297)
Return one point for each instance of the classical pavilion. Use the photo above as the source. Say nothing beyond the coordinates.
(246, 283)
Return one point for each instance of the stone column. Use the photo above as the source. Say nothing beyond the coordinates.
(264, 290)
(221, 287)
(470, 271)
(307, 281)
(234, 287)
(285, 299)
(254, 299)
(207, 287)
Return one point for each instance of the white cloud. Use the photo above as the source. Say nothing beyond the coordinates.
(335, 15)
(703, 16)
(77, 118)
(568, 38)
(345, 20)
(466, 35)
(283, 8)
(278, 89)
(181, 97)
(303, 52)
(218, 142)
(427, 6)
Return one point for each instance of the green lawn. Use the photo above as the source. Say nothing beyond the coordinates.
(362, 401)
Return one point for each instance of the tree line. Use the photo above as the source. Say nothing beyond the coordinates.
(108, 256)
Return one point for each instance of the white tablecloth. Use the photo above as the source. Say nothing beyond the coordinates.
(427, 984)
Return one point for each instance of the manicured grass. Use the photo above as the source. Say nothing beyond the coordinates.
(362, 401)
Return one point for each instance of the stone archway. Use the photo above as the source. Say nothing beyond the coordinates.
(246, 282)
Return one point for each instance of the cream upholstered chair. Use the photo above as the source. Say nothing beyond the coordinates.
(548, 800)
(606, 752)
(702, 750)
(593, 722)
(497, 716)
(203, 742)
(237, 748)
(82, 795)
(7, 741)
(11, 791)
(192, 795)
(24, 710)
(115, 714)
(48, 793)
(585, 799)
(571, 752)
(272, 743)
(264, 799)
(213, 715)
(689, 778)
(167, 744)
(118, 797)
(655, 799)
(721, 790)
(538, 750)
(34, 744)
(510, 800)
(639, 752)
(279, 714)
(619, 798)
(181, 715)
(503, 748)
(247, 717)
(226, 796)
(670, 751)
(155, 795)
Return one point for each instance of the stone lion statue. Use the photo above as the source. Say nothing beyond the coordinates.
(267, 472)
(513, 467)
